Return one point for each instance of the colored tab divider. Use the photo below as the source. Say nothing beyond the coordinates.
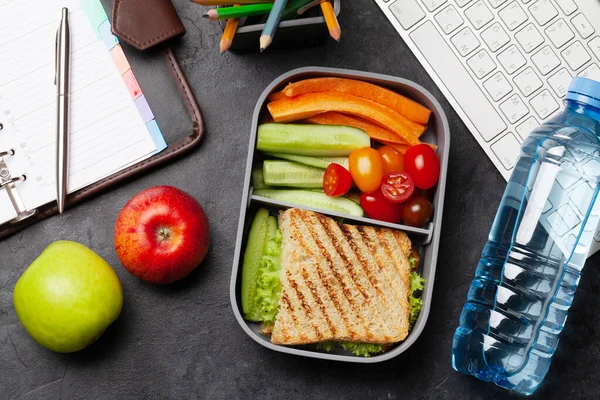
(132, 84)
(110, 40)
(144, 109)
(120, 59)
(95, 13)
(157, 136)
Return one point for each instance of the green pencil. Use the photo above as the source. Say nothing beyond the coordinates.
(253, 9)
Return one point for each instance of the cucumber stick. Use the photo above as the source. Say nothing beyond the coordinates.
(319, 162)
(313, 199)
(291, 174)
(258, 181)
(311, 140)
(257, 238)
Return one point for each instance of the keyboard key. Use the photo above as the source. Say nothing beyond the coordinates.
(433, 5)
(449, 19)
(497, 86)
(514, 109)
(544, 104)
(529, 38)
(527, 81)
(495, 36)
(496, 3)
(559, 33)
(479, 14)
(567, 6)
(591, 72)
(507, 149)
(526, 1)
(543, 11)
(460, 84)
(560, 81)
(513, 15)
(595, 46)
(462, 3)
(465, 41)
(511, 59)
(576, 55)
(583, 26)
(545, 60)
(481, 64)
(526, 127)
(407, 12)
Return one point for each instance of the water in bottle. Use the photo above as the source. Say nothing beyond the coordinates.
(529, 270)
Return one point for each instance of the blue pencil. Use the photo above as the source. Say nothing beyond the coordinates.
(272, 23)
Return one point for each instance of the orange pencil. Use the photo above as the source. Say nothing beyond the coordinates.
(229, 33)
(332, 22)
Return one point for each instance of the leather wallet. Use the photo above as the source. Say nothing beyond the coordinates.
(144, 24)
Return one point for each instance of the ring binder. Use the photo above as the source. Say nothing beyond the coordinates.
(7, 182)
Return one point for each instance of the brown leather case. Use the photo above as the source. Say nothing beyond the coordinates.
(143, 24)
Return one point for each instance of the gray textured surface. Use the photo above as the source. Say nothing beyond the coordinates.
(182, 341)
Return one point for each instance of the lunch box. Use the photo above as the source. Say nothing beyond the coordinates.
(305, 31)
(426, 239)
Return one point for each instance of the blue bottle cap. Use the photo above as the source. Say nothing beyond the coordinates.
(585, 91)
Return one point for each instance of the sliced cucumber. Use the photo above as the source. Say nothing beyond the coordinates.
(258, 181)
(355, 197)
(319, 162)
(291, 174)
(313, 199)
(311, 140)
(252, 258)
(271, 232)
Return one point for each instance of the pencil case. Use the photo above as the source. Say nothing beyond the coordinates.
(134, 22)
(305, 31)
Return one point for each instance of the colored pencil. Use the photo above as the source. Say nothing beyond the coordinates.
(228, 2)
(331, 20)
(272, 23)
(292, 9)
(238, 12)
(229, 33)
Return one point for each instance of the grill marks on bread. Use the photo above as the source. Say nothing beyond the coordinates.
(341, 282)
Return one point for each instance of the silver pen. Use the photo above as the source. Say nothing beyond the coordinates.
(63, 70)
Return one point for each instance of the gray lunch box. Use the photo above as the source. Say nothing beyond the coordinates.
(425, 239)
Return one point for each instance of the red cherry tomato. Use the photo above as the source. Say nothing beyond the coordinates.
(417, 211)
(393, 161)
(397, 187)
(378, 207)
(337, 180)
(366, 169)
(423, 165)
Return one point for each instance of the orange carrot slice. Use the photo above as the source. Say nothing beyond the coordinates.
(402, 105)
(276, 96)
(374, 131)
(307, 105)
(402, 147)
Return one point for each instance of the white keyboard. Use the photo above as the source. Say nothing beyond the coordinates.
(503, 64)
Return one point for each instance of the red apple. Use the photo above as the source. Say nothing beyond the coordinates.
(161, 234)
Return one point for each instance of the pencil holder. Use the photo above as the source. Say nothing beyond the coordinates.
(305, 31)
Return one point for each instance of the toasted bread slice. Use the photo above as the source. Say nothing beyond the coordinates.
(341, 282)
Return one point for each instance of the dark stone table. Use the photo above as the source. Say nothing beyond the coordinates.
(182, 341)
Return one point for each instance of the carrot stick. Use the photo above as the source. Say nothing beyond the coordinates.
(276, 96)
(402, 147)
(402, 105)
(374, 131)
(310, 104)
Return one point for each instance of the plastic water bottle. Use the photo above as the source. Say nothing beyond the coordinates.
(529, 270)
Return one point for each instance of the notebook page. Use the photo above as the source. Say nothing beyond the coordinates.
(107, 131)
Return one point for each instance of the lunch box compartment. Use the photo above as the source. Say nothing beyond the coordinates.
(425, 239)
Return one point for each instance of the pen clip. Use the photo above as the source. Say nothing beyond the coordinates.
(56, 56)
(310, 5)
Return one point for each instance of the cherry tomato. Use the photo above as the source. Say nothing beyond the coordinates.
(423, 165)
(393, 161)
(428, 194)
(337, 180)
(417, 211)
(366, 169)
(378, 207)
(397, 187)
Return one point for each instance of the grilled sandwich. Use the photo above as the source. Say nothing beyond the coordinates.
(341, 282)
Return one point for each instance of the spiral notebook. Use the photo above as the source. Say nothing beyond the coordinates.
(112, 126)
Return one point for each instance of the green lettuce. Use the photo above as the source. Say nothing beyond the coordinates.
(416, 284)
(268, 288)
(326, 346)
(363, 349)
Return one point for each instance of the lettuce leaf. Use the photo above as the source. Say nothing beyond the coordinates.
(416, 284)
(326, 346)
(363, 349)
(268, 288)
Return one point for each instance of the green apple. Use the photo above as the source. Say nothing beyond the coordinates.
(67, 297)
